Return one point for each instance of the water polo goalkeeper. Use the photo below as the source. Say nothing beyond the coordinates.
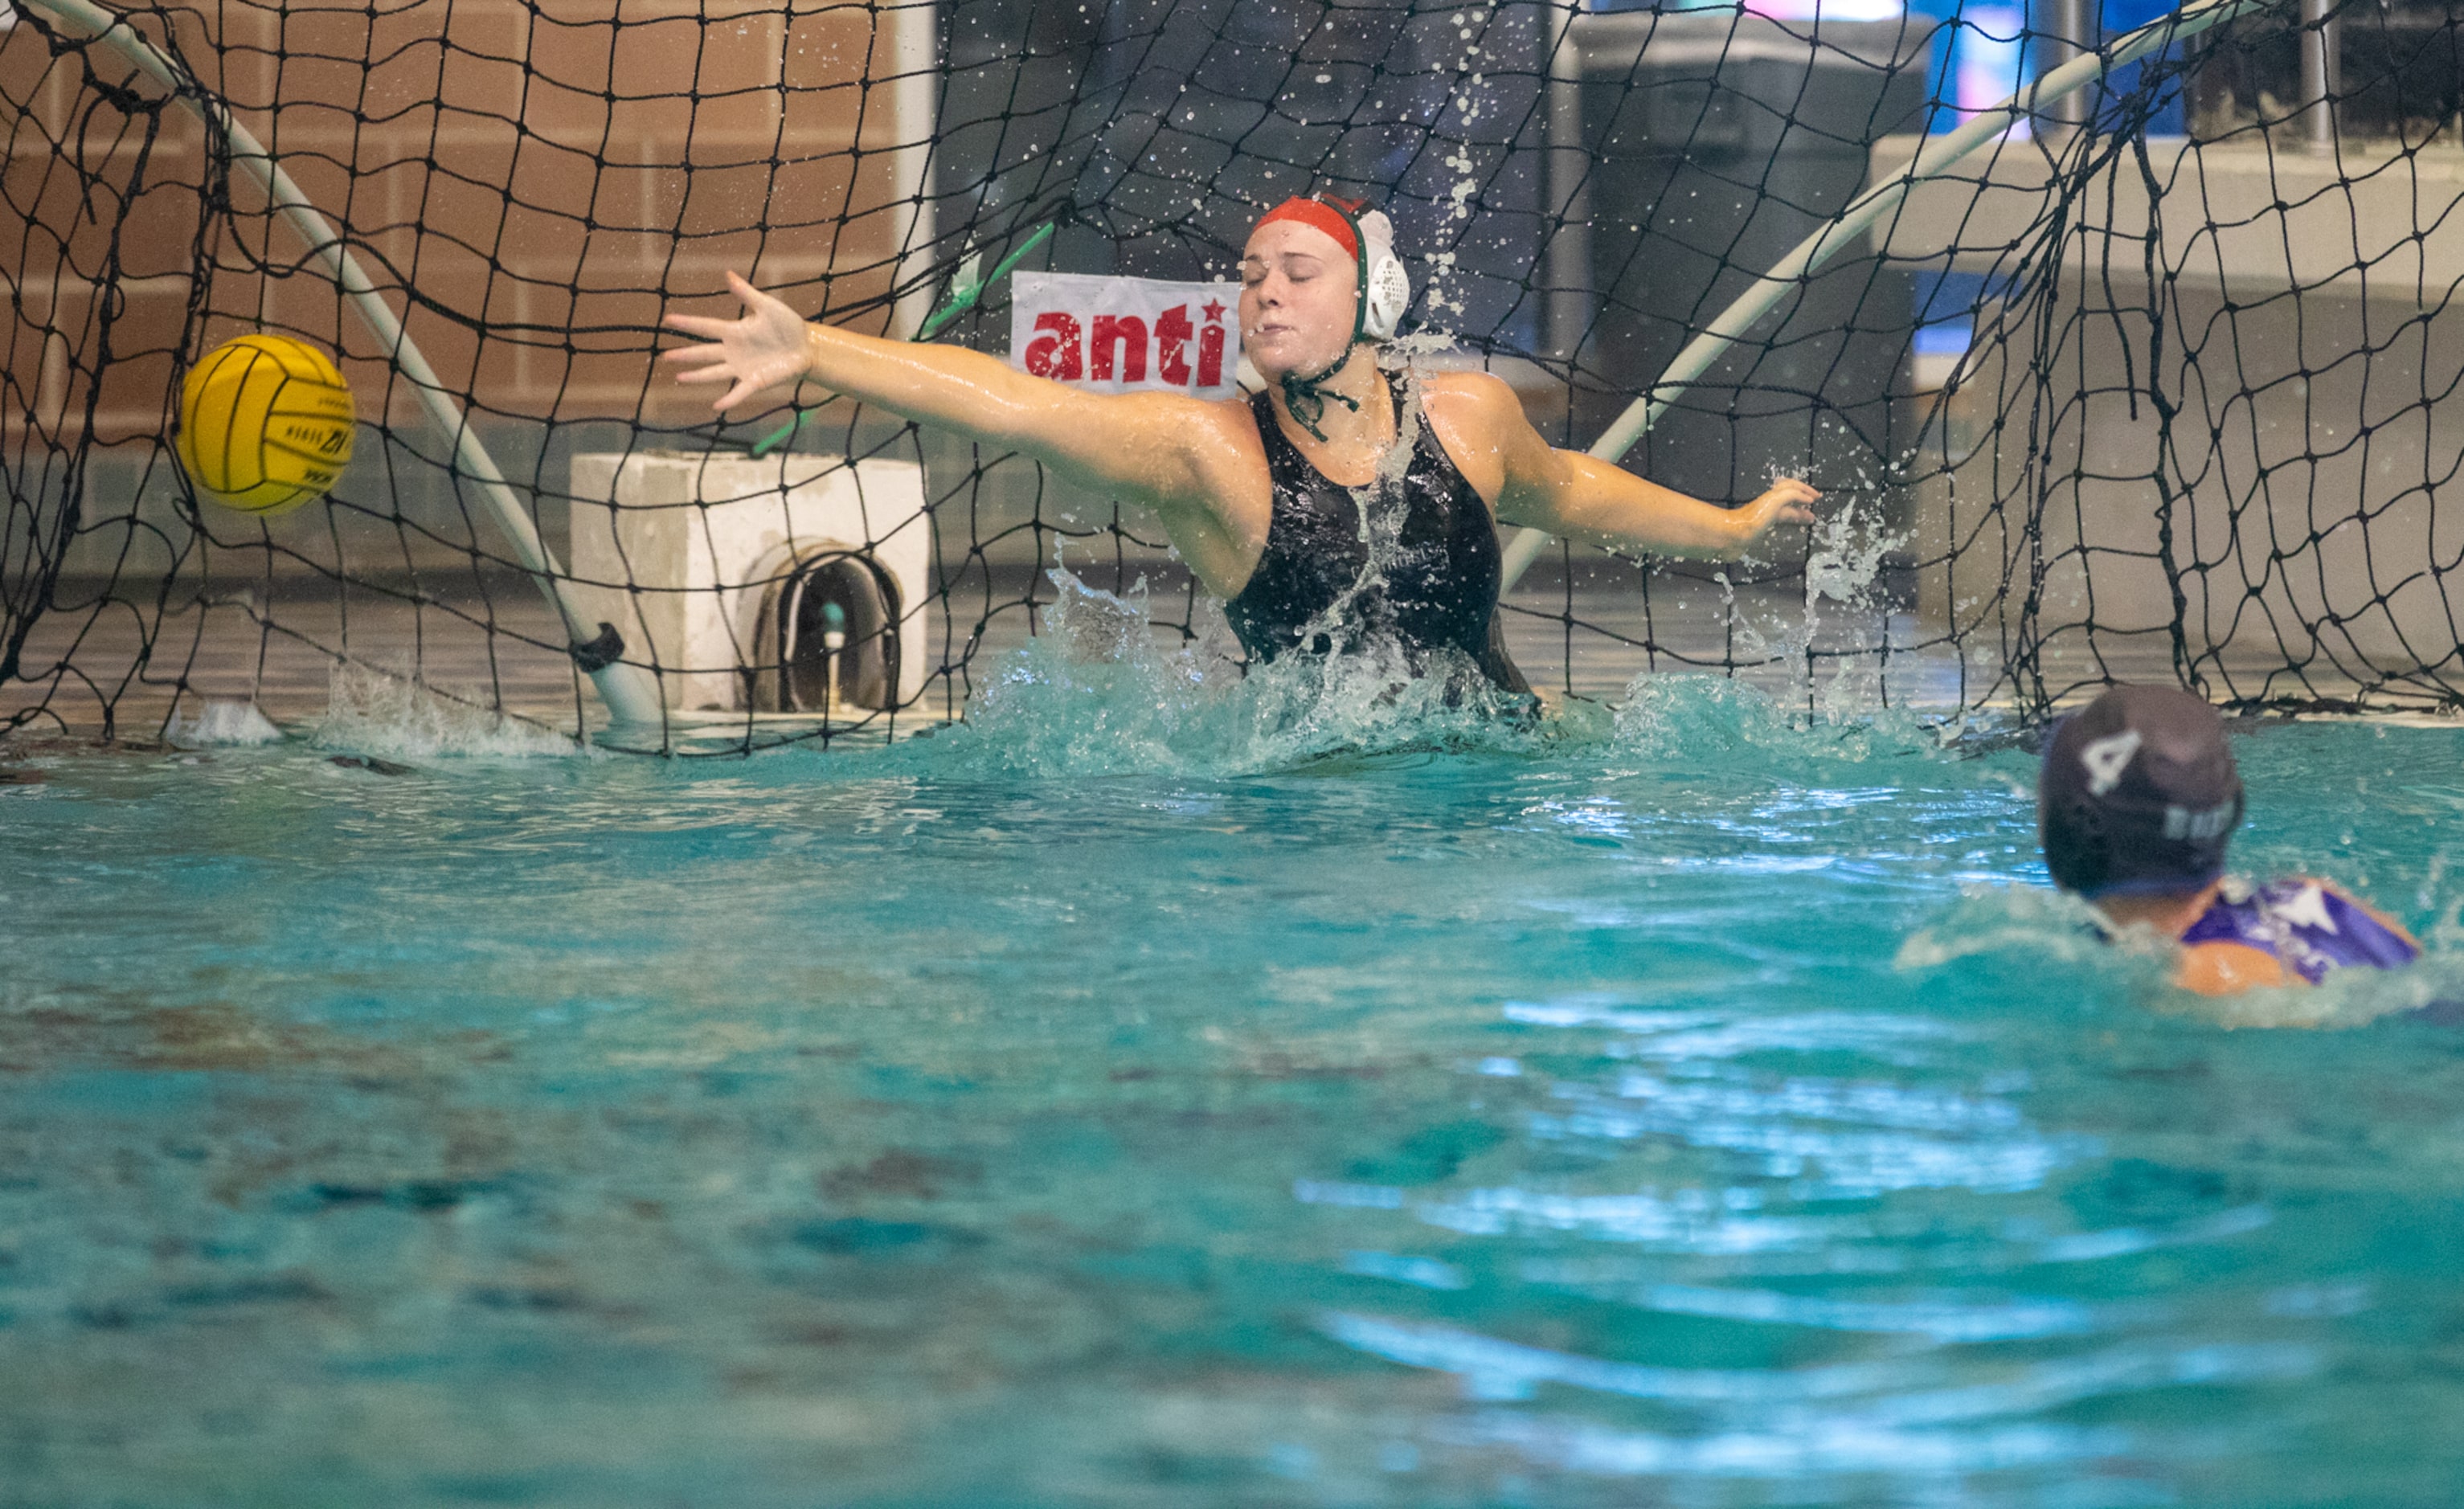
(1265, 497)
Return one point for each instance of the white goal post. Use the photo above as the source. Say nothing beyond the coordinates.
(628, 691)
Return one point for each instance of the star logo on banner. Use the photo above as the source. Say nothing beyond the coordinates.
(1214, 309)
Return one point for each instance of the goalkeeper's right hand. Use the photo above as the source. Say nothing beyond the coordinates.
(766, 349)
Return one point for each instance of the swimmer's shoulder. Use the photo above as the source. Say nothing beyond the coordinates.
(1220, 435)
(2221, 964)
(1480, 423)
(2228, 969)
(1233, 415)
(1473, 404)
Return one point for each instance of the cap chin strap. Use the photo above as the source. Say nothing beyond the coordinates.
(1306, 398)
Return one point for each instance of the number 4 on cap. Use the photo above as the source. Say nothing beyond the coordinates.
(2106, 759)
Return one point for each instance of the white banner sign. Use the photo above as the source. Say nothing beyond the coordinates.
(1117, 335)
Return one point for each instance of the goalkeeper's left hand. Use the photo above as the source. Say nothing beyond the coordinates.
(1785, 503)
(766, 349)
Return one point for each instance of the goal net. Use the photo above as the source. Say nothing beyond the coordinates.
(2152, 386)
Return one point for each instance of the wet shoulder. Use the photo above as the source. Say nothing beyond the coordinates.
(1473, 416)
(2310, 926)
(1223, 440)
(1472, 403)
(2228, 968)
(1204, 424)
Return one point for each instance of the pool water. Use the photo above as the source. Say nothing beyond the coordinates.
(1154, 1095)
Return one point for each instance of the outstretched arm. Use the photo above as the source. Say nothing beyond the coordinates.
(1143, 447)
(1581, 497)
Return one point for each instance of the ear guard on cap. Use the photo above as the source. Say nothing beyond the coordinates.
(1385, 288)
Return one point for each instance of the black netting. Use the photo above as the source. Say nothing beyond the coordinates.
(2150, 387)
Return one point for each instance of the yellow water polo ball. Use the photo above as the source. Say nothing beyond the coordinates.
(265, 424)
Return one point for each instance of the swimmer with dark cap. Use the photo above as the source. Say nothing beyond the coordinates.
(2137, 802)
(1263, 496)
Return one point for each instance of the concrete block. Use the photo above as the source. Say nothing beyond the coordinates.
(682, 550)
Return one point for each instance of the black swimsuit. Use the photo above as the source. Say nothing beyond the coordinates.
(1440, 572)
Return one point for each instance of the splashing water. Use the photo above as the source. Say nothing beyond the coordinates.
(1098, 694)
(223, 723)
(1691, 719)
(1843, 566)
(1833, 647)
(374, 711)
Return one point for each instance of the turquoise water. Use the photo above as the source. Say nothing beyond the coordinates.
(1151, 1096)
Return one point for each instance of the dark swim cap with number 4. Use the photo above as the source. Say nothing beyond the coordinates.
(2139, 794)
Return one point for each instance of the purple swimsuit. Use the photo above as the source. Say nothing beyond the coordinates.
(2305, 925)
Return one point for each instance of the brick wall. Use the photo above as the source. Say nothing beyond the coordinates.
(530, 188)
